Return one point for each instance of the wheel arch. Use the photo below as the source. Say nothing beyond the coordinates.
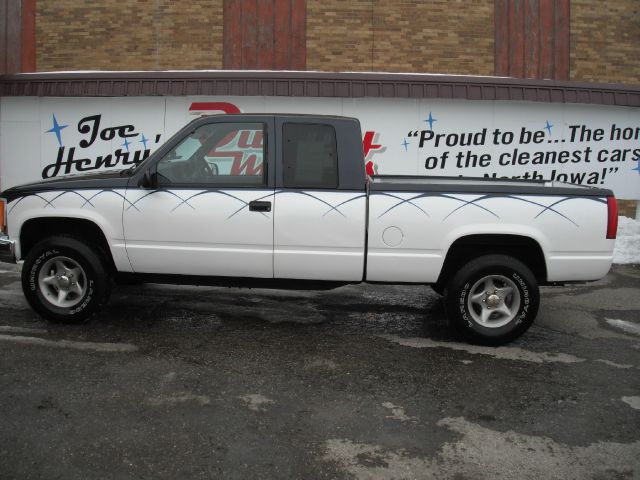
(35, 229)
(524, 248)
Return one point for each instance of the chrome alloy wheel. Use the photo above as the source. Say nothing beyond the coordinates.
(62, 282)
(494, 301)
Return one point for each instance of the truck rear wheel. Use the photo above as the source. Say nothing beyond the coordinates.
(64, 280)
(492, 300)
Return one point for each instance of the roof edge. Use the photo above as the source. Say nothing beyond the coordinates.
(313, 84)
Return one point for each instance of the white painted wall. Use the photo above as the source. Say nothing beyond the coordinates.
(29, 146)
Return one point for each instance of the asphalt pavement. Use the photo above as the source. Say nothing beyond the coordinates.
(363, 382)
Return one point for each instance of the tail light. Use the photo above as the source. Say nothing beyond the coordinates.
(612, 217)
(3, 215)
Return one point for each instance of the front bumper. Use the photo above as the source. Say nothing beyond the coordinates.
(7, 249)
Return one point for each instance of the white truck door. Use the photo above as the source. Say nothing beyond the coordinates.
(210, 211)
(319, 228)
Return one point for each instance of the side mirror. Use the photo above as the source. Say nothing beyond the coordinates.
(148, 181)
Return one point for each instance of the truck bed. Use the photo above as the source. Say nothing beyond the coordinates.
(415, 221)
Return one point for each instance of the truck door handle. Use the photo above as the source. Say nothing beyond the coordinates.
(257, 206)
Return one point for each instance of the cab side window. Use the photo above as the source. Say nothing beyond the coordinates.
(310, 156)
(217, 154)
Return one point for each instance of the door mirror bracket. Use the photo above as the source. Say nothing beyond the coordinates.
(148, 181)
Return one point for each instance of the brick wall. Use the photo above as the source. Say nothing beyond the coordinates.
(605, 41)
(605, 47)
(128, 35)
(438, 36)
(627, 208)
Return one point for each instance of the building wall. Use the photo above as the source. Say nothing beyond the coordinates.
(532, 39)
(627, 208)
(605, 41)
(17, 36)
(605, 47)
(265, 34)
(438, 36)
(128, 35)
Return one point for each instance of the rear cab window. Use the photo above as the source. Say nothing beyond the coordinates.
(310, 156)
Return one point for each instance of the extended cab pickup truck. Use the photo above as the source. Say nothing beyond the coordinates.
(284, 201)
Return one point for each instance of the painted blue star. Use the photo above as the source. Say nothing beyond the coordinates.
(548, 127)
(637, 159)
(57, 128)
(430, 121)
(126, 144)
(144, 140)
(405, 145)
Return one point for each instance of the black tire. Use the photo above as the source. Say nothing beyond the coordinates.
(79, 269)
(487, 315)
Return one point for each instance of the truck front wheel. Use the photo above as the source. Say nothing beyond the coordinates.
(64, 280)
(492, 300)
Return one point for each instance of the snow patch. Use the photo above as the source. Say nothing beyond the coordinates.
(625, 326)
(322, 363)
(633, 402)
(503, 353)
(177, 399)
(96, 347)
(398, 413)
(614, 364)
(256, 402)
(627, 249)
(32, 331)
(486, 453)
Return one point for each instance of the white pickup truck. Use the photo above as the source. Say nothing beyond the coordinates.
(283, 201)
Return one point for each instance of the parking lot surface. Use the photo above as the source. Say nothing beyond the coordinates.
(363, 382)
